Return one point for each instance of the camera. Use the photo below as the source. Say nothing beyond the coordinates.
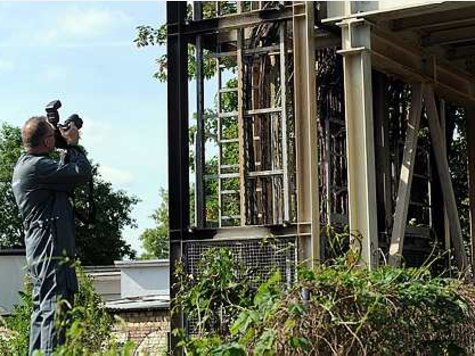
(52, 115)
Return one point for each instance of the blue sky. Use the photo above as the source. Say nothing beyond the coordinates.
(83, 54)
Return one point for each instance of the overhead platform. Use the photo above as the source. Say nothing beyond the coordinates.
(426, 41)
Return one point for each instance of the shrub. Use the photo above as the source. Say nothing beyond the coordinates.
(88, 326)
(334, 309)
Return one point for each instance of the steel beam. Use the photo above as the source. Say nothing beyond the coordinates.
(283, 118)
(405, 180)
(240, 20)
(383, 154)
(443, 125)
(200, 200)
(306, 137)
(445, 180)
(454, 17)
(241, 128)
(461, 52)
(178, 152)
(396, 58)
(455, 35)
(470, 117)
(356, 47)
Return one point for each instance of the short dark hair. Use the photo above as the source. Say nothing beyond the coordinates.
(34, 130)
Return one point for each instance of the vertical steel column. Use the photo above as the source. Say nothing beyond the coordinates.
(200, 199)
(405, 178)
(306, 137)
(444, 136)
(442, 165)
(178, 151)
(241, 129)
(470, 117)
(356, 44)
(383, 174)
(283, 118)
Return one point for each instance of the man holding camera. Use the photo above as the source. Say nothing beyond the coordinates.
(42, 189)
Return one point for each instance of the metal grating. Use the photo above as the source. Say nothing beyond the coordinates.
(260, 257)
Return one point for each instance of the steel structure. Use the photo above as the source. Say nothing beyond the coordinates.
(311, 113)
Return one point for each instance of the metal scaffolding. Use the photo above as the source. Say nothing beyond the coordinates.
(311, 114)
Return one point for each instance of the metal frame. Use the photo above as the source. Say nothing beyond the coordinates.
(405, 180)
(177, 90)
(308, 215)
(356, 47)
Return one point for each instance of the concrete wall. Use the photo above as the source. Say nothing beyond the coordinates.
(106, 281)
(12, 273)
(126, 279)
(141, 278)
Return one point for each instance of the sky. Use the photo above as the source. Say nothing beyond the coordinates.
(83, 54)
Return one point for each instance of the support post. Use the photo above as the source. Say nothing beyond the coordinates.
(445, 180)
(405, 180)
(200, 199)
(283, 118)
(241, 127)
(444, 136)
(305, 100)
(178, 152)
(383, 159)
(470, 117)
(356, 51)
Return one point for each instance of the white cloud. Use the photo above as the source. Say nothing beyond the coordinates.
(95, 133)
(6, 66)
(79, 23)
(116, 176)
(55, 73)
(90, 22)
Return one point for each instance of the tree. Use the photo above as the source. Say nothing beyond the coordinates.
(98, 244)
(11, 228)
(155, 240)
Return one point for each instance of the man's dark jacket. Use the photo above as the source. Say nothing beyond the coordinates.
(42, 189)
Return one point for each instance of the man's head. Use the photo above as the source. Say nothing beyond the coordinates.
(38, 135)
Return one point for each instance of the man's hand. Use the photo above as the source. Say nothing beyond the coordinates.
(71, 134)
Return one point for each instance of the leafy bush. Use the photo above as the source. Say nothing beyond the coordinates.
(88, 326)
(335, 308)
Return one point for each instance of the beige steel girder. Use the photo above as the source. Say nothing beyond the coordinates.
(405, 180)
(445, 180)
(308, 216)
(356, 51)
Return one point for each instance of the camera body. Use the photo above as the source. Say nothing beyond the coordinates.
(52, 115)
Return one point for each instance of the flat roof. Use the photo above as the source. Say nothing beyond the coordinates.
(145, 303)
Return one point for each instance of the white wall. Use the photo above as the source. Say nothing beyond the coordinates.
(12, 273)
(142, 278)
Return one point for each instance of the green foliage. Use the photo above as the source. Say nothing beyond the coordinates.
(103, 243)
(100, 244)
(216, 295)
(149, 36)
(11, 228)
(88, 327)
(87, 315)
(336, 308)
(155, 240)
(17, 327)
